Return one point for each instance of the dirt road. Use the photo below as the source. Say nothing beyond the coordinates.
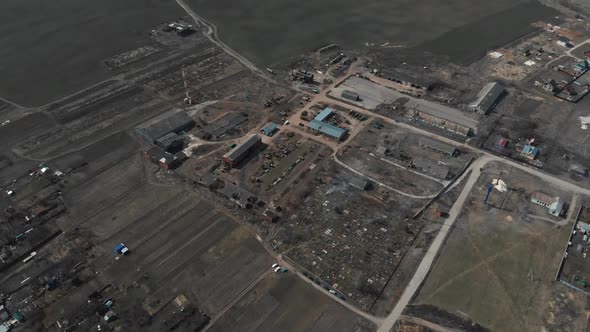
(211, 34)
(341, 163)
(378, 321)
(426, 263)
(432, 252)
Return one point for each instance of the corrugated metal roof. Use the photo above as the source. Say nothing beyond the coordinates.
(270, 128)
(324, 114)
(437, 145)
(168, 139)
(172, 121)
(487, 96)
(237, 152)
(327, 129)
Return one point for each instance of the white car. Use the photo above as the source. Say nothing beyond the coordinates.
(277, 269)
(275, 265)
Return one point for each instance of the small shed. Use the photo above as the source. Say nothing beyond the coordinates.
(270, 128)
(530, 152)
(359, 183)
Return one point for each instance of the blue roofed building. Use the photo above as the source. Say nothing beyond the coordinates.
(270, 128)
(327, 129)
(530, 152)
(324, 115)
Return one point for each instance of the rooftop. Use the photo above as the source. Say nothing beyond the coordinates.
(270, 128)
(444, 112)
(437, 145)
(327, 129)
(323, 115)
(168, 139)
(487, 96)
(358, 182)
(172, 121)
(158, 153)
(529, 149)
(241, 148)
(541, 197)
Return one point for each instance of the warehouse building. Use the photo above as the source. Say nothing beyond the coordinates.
(171, 142)
(436, 120)
(487, 98)
(175, 121)
(346, 94)
(327, 129)
(241, 151)
(319, 125)
(324, 114)
(438, 146)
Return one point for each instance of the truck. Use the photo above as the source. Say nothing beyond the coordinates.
(121, 249)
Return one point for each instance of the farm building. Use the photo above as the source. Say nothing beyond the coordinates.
(438, 146)
(442, 116)
(359, 183)
(554, 204)
(487, 98)
(158, 156)
(324, 114)
(327, 129)
(221, 126)
(170, 142)
(350, 95)
(241, 151)
(269, 129)
(175, 121)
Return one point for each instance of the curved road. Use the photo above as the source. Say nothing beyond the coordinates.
(388, 322)
(341, 163)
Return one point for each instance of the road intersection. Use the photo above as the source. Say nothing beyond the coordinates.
(474, 171)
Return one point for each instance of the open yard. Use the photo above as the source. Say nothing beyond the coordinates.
(283, 302)
(499, 262)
